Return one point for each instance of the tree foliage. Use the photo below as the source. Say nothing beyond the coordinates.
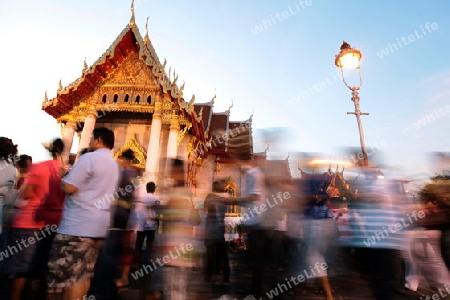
(438, 190)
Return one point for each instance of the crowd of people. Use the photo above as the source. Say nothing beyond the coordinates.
(86, 230)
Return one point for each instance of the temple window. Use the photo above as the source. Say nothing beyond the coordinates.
(104, 98)
(115, 98)
(149, 99)
(138, 98)
(126, 98)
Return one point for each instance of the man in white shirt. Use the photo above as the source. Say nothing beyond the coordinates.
(254, 197)
(89, 186)
(147, 222)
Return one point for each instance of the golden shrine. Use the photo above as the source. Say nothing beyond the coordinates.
(129, 91)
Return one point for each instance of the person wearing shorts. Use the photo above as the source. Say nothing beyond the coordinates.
(90, 187)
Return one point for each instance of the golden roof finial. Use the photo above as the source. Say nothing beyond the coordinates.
(215, 96)
(199, 117)
(182, 87)
(231, 106)
(175, 79)
(132, 20)
(192, 99)
(85, 66)
(46, 97)
(60, 87)
(251, 116)
(146, 30)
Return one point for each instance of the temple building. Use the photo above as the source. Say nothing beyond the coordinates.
(129, 91)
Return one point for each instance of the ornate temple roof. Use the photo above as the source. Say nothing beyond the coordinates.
(279, 167)
(129, 40)
(203, 122)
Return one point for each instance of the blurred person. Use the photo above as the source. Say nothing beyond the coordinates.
(143, 226)
(373, 215)
(42, 185)
(117, 244)
(258, 236)
(89, 186)
(215, 206)
(178, 234)
(145, 223)
(8, 175)
(22, 265)
(22, 163)
(320, 233)
(280, 243)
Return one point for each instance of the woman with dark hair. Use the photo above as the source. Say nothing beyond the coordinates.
(23, 165)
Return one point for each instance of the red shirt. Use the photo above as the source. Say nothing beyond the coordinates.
(46, 203)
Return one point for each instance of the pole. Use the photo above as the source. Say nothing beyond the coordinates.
(358, 113)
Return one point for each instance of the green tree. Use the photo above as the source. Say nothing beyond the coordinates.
(438, 190)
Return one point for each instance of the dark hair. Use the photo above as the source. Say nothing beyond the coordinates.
(217, 186)
(177, 167)
(24, 161)
(128, 154)
(84, 151)
(151, 187)
(7, 148)
(105, 135)
(57, 147)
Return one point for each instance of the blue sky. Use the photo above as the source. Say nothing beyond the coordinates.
(214, 49)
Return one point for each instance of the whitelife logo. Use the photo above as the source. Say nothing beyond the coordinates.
(266, 24)
(380, 235)
(405, 41)
(20, 245)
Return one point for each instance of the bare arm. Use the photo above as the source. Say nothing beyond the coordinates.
(246, 199)
(26, 191)
(68, 188)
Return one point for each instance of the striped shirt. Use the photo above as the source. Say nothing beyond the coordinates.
(375, 222)
(320, 212)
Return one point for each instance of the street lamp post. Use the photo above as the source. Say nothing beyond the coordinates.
(349, 58)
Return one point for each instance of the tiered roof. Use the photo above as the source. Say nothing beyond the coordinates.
(219, 129)
(205, 124)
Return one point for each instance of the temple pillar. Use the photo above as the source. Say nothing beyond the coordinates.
(154, 141)
(172, 144)
(88, 128)
(67, 138)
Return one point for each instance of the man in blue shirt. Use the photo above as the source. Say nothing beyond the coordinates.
(90, 186)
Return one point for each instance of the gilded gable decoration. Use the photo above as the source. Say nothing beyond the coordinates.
(139, 152)
(182, 133)
(188, 107)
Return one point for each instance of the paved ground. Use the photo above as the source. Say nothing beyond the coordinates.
(346, 285)
(342, 290)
